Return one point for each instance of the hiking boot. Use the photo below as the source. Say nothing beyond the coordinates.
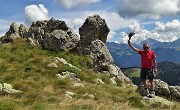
(152, 95)
(146, 92)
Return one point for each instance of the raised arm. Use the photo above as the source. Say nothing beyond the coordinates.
(134, 48)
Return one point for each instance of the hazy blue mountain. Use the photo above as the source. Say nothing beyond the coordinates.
(124, 56)
(154, 43)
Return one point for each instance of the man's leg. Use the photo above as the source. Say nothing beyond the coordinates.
(144, 83)
(146, 88)
(152, 84)
(151, 80)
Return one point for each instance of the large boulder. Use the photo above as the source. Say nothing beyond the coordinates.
(94, 28)
(53, 35)
(157, 102)
(175, 92)
(162, 89)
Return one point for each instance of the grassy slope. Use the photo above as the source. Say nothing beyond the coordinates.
(42, 90)
(131, 72)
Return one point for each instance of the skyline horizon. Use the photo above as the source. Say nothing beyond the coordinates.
(121, 16)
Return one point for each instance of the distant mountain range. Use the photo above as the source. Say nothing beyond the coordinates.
(124, 56)
(167, 71)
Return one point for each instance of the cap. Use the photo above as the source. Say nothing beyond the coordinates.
(130, 35)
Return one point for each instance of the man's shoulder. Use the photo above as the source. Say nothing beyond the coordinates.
(140, 51)
(151, 51)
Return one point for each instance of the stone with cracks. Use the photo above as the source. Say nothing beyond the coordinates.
(53, 35)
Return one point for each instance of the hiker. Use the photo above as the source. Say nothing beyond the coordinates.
(148, 63)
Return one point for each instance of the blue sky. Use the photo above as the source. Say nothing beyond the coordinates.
(157, 19)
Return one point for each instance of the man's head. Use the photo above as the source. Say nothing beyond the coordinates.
(146, 47)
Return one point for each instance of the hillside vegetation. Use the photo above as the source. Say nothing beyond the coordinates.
(169, 72)
(25, 67)
(43, 90)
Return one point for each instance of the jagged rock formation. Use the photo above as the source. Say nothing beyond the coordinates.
(57, 36)
(23, 31)
(15, 31)
(53, 35)
(163, 89)
(93, 35)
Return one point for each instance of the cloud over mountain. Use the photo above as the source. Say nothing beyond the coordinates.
(150, 8)
(73, 3)
(34, 13)
(164, 32)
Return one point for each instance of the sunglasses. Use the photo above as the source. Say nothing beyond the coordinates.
(145, 47)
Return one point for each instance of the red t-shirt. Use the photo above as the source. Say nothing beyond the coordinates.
(146, 58)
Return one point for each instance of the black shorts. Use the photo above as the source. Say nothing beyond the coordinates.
(147, 72)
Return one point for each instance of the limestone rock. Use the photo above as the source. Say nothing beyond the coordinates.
(15, 31)
(157, 102)
(163, 89)
(94, 28)
(116, 71)
(98, 80)
(68, 74)
(23, 31)
(53, 35)
(175, 91)
(100, 54)
(8, 88)
(60, 40)
(93, 35)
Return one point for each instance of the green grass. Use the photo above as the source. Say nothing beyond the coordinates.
(132, 72)
(43, 90)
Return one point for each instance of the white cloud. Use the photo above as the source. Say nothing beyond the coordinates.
(111, 35)
(73, 3)
(4, 26)
(113, 20)
(35, 13)
(168, 26)
(131, 8)
(75, 24)
(164, 32)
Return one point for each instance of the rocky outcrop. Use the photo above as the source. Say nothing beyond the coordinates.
(157, 102)
(50, 34)
(53, 35)
(94, 28)
(57, 36)
(23, 31)
(163, 89)
(15, 31)
(93, 35)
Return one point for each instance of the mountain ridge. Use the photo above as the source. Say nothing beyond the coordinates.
(123, 55)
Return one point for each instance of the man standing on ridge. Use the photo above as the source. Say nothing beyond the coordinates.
(148, 62)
